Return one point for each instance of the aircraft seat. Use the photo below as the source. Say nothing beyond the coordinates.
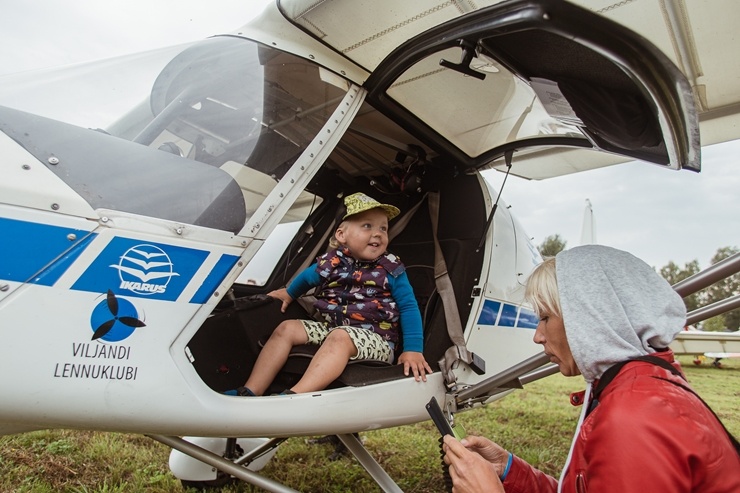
(226, 346)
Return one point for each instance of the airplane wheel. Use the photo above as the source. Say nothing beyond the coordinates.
(207, 485)
(697, 362)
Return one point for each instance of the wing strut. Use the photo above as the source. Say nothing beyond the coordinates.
(526, 371)
(374, 469)
(353, 444)
(222, 464)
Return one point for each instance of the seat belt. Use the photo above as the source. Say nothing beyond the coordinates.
(458, 352)
(400, 223)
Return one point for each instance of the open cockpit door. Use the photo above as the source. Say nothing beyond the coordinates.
(540, 73)
(476, 80)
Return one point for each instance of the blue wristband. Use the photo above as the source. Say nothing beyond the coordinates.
(508, 466)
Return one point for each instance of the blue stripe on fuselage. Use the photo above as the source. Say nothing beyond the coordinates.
(489, 315)
(38, 253)
(218, 273)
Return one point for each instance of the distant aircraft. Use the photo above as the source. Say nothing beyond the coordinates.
(588, 226)
(120, 308)
(702, 344)
(717, 345)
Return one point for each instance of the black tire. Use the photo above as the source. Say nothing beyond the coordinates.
(220, 481)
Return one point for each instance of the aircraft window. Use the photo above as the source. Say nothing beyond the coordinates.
(222, 123)
(282, 240)
(266, 259)
(475, 115)
(225, 119)
(243, 107)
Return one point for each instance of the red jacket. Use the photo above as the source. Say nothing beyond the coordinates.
(646, 435)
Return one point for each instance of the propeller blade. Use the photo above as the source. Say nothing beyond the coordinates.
(131, 322)
(112, 303)
(103, 329)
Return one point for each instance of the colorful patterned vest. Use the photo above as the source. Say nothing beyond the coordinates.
(357, 293)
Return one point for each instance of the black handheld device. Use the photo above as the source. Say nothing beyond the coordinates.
(439, 418)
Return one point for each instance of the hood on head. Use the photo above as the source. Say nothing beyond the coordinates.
(615, 307)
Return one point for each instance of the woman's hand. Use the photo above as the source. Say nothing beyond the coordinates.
(489, 450)
(475, 464)
(415, 362)
(282, 295)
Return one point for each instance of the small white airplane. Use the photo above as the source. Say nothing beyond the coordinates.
(704, 344)
(130, 287)
(717, 358)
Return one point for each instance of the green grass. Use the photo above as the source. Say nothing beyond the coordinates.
(537, 423)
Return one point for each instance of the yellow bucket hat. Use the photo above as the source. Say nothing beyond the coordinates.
(359, 202)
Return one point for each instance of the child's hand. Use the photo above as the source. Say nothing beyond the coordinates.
(282, 295)
(415, 362)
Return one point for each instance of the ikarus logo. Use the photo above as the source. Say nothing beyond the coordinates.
(145, 269)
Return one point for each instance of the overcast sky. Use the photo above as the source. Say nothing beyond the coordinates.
(656, 214)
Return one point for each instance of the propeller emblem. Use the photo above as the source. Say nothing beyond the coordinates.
(114, 319)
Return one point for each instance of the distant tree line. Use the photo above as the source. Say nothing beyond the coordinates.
(673, 273)
(551, 246)
(716, 292)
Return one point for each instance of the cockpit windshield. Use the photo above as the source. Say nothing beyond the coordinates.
(231, 100)
(224, 121)
(245, 108)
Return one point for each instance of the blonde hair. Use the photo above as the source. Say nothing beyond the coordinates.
(542, 289)
(333, 242)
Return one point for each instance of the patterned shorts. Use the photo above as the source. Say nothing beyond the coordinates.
(370, 346)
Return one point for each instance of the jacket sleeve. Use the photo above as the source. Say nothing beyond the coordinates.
(304, 281)
(523, 478)
(411, 326)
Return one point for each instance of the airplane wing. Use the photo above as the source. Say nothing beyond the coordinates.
(695, 342)
(535, 56)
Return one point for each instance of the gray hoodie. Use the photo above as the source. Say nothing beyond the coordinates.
(615, 307)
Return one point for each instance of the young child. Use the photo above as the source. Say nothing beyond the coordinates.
(363, 294)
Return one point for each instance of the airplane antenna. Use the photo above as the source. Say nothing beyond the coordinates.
(507, 159)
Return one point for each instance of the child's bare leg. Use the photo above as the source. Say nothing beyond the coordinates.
(275, 353)
(328, 363)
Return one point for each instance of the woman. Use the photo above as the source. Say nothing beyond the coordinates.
(645, 430)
